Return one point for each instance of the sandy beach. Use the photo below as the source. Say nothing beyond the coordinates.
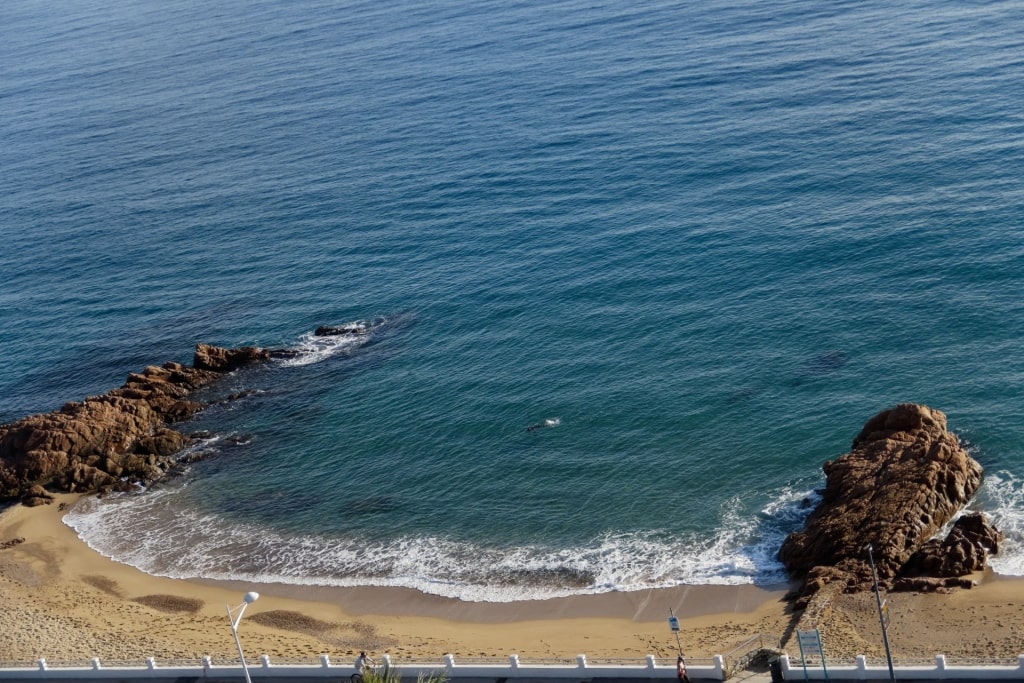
(63, 601)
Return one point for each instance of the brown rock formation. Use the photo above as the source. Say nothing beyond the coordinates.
(905, 477)
(225, 360)
(965, 550)
(113, 440)
(37, 495)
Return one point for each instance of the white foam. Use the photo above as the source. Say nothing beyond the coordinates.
(1002, 498)
(312, 349)
(154, 533)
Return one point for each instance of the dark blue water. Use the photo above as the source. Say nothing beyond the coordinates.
(697, 245)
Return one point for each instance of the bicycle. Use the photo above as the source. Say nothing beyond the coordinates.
(357, 677)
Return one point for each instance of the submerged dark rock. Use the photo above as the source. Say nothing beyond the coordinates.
(115, 440)
(328, 331)
(904, 479)
(827, 362)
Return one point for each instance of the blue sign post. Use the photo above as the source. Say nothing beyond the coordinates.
(673, 624)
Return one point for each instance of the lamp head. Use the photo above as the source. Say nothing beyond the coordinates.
(251, 597)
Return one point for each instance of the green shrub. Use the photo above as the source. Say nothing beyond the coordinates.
(392, 674)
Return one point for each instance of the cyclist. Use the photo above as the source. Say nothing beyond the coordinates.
(362, 661)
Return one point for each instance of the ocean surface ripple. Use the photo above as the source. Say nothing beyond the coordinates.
(630, 274)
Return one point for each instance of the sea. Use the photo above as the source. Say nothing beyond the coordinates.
(628, 273)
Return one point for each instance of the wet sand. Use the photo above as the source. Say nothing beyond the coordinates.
(63, 601)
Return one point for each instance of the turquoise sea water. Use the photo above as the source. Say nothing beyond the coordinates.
(699, 244)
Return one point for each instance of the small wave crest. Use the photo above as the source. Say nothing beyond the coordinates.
(154, 533)
(547, 423)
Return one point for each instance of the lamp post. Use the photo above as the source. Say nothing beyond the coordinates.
(881, 617)
(235, 616)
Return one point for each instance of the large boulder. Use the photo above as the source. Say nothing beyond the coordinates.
(113, 440)
(965, 550)
(37, 495)
(904, 479)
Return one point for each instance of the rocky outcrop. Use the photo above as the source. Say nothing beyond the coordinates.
(904, 479)
(226, 360)
(115, 440)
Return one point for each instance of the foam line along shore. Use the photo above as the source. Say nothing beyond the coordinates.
(66, 602)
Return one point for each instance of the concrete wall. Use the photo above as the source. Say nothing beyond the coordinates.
(939, 671)
(265, 671)
(336, 672)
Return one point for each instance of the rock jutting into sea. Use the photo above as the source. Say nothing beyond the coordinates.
(904, 479)
(116, 440)
(331, 331)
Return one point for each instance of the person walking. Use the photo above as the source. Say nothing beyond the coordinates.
(681, 670)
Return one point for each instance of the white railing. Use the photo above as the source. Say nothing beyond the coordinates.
(509, 667)
(935, 669)
(755, 650)
(920, 669)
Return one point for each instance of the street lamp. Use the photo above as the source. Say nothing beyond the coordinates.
(881, 616)
(235, 616)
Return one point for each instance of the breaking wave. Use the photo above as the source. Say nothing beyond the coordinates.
(1002, 499)
(152, 532)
